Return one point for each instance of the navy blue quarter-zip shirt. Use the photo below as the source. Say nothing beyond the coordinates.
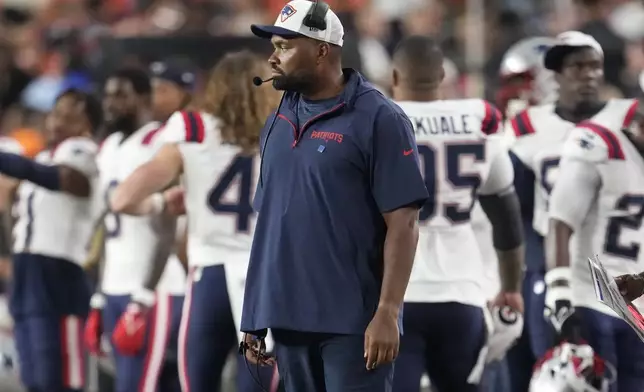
(316, 263)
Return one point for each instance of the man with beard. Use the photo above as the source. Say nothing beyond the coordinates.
(127, 309)
(50, 294)
(337, 198)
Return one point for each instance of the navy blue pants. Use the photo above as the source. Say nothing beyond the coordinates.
(496, 377)
(442, 339)
(49, 301)
(208, 335)
(615, 341)
(537, 336)
(316, 362)
(149, 371)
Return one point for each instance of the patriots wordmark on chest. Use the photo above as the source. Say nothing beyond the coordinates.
(442, 125)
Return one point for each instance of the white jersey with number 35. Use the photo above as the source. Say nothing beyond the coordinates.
(57, 224)
(219, 184)
(600, 195)
(461, 156)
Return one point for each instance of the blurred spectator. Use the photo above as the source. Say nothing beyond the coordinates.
(593, 15)
(14, 80)
(373, 30)
(505, 31)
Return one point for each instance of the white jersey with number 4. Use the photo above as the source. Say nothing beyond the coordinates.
(131, 242)
(537, 136)
(600, 195)
(461, 156)
(219, 183)
(57, 224)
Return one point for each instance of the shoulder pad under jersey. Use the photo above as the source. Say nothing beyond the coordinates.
(592, 143)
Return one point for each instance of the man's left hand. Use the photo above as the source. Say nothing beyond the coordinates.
(382, 339)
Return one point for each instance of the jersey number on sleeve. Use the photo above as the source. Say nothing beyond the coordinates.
(241, 167)
(454, 174)
(634, 206)
(547, 169)
(112, 220)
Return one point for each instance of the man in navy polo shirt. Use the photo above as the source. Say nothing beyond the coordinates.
(338, 197)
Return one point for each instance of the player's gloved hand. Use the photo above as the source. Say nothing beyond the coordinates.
(630, 286)
(130, 331)
(94, 325)
(507, 326)
(558, 307)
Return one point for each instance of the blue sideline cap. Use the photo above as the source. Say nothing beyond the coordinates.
(289, 25)
(176, 73)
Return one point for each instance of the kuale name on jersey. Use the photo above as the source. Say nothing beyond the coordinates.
(441, 125)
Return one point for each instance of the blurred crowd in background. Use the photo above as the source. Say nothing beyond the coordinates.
(48, 45)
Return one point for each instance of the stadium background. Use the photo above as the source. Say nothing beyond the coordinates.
(48, 45)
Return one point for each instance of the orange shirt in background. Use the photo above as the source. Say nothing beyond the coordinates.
(31, 141)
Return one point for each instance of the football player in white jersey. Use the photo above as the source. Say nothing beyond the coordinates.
(525, 82)
(8, 186)
(215, 152)
(50, 295)
(599, 197)
(537, 136)
(463, 160)
(136, 320)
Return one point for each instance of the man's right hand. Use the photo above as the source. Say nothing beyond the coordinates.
(255, 351)
(630, 286)
(511, 299)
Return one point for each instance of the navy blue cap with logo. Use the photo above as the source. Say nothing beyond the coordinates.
(181, 74)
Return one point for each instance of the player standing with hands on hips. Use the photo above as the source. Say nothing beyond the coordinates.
(337, 199)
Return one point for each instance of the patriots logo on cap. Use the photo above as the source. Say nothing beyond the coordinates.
(287, 12)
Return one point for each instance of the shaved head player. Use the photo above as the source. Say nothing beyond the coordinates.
(337, 198)
(464, 160)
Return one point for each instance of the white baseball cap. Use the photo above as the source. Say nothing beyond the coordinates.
(289, 24)
(566, 41)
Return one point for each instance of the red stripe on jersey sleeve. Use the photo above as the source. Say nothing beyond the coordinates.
(147, 139)
(492, 119)
(630, 114)
(195, 130)
(612, 142)
(521, 124)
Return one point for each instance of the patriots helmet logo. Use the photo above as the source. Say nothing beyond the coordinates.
(542, 48)
(287, 12)
(585, 144)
